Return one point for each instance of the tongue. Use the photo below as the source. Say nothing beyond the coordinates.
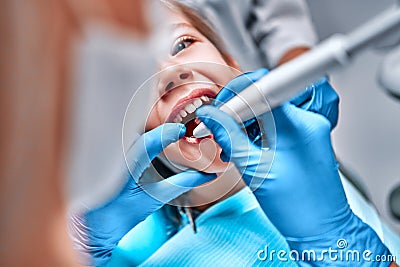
(190, 127)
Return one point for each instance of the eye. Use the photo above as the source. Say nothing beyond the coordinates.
(180, 44)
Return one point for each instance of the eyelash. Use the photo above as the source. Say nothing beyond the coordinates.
(181, 40)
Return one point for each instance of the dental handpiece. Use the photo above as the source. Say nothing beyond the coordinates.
(286, 81)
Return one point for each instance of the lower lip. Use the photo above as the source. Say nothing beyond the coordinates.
(195, 140)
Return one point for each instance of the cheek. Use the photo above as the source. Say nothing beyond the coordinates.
(157, 115)
(153, 120)
(214, 66)
(208, 53)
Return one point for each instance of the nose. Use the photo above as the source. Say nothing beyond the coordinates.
(173, 77)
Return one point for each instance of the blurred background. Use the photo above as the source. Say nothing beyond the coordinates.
(367, 136)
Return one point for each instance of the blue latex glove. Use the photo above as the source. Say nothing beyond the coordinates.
(319, 97)
(144, 239)
(301, 191)
(102, 228)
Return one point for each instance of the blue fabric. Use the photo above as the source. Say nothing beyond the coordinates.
(143, 240)
(230, 233)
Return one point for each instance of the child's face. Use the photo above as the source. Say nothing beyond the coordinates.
(183, 88)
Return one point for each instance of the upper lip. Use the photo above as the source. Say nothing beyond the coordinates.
(187, 99)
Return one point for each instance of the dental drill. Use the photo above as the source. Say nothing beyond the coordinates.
(291, 78)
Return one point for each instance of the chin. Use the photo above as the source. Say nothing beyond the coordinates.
(204, 156)
(204, 165)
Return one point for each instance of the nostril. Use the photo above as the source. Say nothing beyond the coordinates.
(169, 86)
(184, 76)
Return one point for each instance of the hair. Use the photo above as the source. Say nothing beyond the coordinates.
(200, 23)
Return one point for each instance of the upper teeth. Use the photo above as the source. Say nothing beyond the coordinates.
(190, 108)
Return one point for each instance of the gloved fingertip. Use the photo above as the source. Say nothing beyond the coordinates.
(254, 76)
(205, 111)
(259, 73)
(162, 136)
(212, 117)
(175, 129)
(224, 95)
(182, 131)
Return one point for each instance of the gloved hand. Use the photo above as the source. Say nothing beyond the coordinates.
(300, 189)
(98, 231)
(318, 97)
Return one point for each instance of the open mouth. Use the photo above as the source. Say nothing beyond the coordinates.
(190, 126)
(186, 113)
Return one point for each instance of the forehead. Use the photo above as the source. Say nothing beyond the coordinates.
(178, 22)
(174, 15)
